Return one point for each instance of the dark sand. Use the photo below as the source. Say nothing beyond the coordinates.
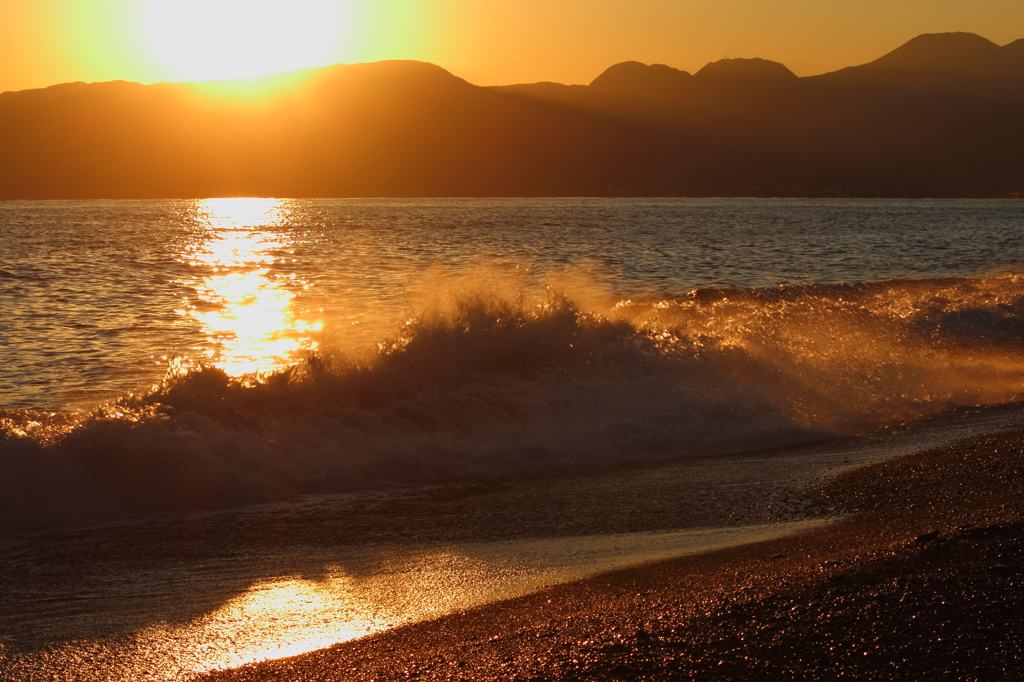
(865, 598)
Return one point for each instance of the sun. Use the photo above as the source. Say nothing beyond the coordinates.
(202, 40)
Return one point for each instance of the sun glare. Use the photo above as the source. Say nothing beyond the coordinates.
(247, 312)
(202, 40)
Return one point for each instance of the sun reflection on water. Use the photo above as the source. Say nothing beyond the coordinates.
(277, 619)
(244, 298)
(353, 592)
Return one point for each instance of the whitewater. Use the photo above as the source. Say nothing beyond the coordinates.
(430, 379)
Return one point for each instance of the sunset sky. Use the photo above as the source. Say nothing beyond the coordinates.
(492, 42)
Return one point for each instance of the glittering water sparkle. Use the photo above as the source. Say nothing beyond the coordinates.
(243, 305)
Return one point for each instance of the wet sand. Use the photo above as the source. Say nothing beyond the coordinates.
(877, 595)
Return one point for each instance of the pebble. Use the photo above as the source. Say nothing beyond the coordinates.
(927, 537)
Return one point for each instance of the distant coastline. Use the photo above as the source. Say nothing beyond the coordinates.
(937, 117)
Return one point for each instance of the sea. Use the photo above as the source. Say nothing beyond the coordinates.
(240, 429)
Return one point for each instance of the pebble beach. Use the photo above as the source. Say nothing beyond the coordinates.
(920, 578)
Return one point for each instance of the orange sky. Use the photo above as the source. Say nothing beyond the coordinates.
(488, 42)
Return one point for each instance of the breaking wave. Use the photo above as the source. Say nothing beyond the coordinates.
(486, 385)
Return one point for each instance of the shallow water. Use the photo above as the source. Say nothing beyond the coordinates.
(338, 595)
(163, 598)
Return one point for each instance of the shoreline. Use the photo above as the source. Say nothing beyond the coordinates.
(863, 596)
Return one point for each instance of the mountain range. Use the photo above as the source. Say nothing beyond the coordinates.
(939, 116)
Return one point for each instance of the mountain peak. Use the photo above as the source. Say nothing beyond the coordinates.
(638, 79)
(754, 68)
(947, 52)
(393, 69)
(1014, 50)
(935, 58)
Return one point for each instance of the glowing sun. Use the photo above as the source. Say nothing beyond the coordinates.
(199, 40)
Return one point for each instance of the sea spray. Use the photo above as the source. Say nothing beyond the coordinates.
(490, 381)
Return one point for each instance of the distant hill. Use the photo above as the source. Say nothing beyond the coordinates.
(746, 69)
(633, 79)
(938, 116)
(942, 58)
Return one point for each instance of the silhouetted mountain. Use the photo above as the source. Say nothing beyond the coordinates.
(941, 60)
(1015, 50)
(382, 129)
(945, 52)
(640, 80)
(938, 116)
(746, 69)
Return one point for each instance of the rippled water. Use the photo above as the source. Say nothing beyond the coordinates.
(98, 297)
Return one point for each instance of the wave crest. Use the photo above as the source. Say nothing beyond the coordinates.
(501, 385)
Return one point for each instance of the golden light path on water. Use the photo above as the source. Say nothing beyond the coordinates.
(245, 309)
(367, 590)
